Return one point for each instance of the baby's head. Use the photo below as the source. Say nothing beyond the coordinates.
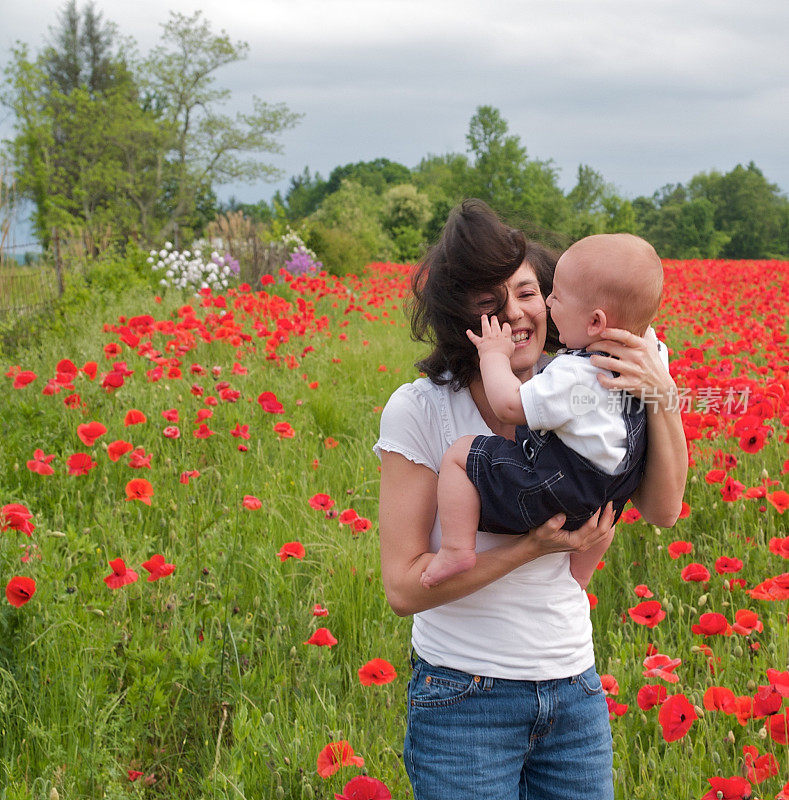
(611, 280)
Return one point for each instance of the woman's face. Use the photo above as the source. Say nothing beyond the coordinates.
(524, 309)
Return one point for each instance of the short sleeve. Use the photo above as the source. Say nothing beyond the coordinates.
(546, 397)
(411, 426)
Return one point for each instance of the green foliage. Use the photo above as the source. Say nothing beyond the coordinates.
(104, 142)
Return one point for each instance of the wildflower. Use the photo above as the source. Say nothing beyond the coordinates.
(157, 567)
(363, 787)
(134, 417)
(712, 624)
(651, 695)
(697, 573)
(734, 788)
(17, 517)
(726, 564)
(120, 576)
(675, 717)
(718, 698)
(319, 611)
(291, 550)
(321, 502)
(284, 430)
(139, 489)
(251, 502)
(676, 549)
(378, 671)
(19, 590)
(90, 431)
(171, 432)
(269, 403)
(336, 755)
(80, 464)
(648, 613)
(322, 638)
(40, 463)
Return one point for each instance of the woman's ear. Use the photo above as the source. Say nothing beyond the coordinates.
(597, 323)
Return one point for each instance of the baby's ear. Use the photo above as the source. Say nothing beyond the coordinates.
(597, 322)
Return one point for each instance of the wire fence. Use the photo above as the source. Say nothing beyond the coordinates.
(28, 288)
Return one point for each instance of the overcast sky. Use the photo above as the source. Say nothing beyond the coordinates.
(648, 93)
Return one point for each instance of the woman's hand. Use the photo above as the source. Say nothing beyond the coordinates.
(552, 538)
(643, 374)
(637, 360)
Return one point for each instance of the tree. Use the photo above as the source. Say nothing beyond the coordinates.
(523, 190)
(207, 146)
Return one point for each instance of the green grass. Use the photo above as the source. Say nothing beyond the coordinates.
(202, 679)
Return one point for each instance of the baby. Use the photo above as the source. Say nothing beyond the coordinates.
(577, 446)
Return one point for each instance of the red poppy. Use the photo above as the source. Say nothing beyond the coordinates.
(766, 701)
(643, 591)
(361, 524)
(609, 684)
(134, 774)
(675, 717)
(139, 460)
(17, 517)
(80, 464)
(171, 415)
(778, 546)
(157, 567)
(188, 475)
(120, 575)
(336, 755)
(90, 431)
(784, 793)
(759, 768)
(732, 490)
(348, 516)
(378, 671)
(676, 549)
(780, 680)
(322, 638)
(727, 564)
(779, 500)
(712, 624)
(269, 403)
(746, 622)
(752, 441)
(330, 443)
(743, 708)
(776, 588)
(203, 414)
(284, 430)
(661, 666)
(134, 417)
(321, 502)
(23, 378)
(651, 695)
(319, 611)
(697, 573)
(684, 510)
(118, 449)
(251, 502)
(715, 476)
(778, 727)
(171, 432)
(648, 613)
(734, 788)
(630, 516)
(719, 698)
(240, 432)
(40, 463)
(90, 368)
(202, 432)
(615, 709)
(139, 489)
(592, 600)
(363, 787)
(291, 550)
(19, 590)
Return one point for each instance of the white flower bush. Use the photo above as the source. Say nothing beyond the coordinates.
(190, 270)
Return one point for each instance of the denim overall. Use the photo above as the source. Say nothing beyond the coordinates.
(522, 484)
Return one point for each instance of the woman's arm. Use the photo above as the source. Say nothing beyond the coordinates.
(407, 514)
(659, 496)
(583, 565)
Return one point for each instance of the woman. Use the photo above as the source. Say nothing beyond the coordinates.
(504, 700)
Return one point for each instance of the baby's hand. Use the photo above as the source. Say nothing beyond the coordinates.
(495, 338)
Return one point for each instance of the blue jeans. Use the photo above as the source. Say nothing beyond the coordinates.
(471, 737)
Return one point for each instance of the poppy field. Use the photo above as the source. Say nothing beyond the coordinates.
(192, 604)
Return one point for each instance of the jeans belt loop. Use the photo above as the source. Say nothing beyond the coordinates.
(487, 684)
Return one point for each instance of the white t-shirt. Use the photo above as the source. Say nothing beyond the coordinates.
(531, 624)
(567, 398)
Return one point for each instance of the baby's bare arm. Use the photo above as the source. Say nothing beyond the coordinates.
(502, 386)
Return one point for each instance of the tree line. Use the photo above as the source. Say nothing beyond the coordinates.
(108, 140)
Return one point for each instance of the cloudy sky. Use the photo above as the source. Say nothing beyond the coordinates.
(647, 93)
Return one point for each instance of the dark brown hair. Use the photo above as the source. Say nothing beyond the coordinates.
(475, 253)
